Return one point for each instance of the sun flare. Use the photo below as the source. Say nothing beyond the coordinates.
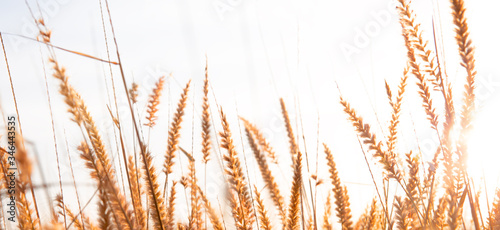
(483, 163)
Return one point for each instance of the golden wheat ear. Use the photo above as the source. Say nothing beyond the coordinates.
(340, 193)
(288, 124)
(265, 222)
(73, 219)
(396, 111)
(494, 216)
(294, 210)
(157, 207)
(133, 92)
(174, 132)
(261, 140)
(195, 217)
(328, 213)
(212, 215)
(401, 214)
(171, 208)
(136, 193)
(242, 205)
(266, 173)
(205, 120)
(387, 160)
(154, 101)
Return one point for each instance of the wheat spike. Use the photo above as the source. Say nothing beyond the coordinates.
(340, 193)
(266, 146)
(236, 179)
(65, 210)
(195, 218)
(205, 121)
(82, 117)
(171, 208)
(396, 111)
(265, 222)
(26, 217)
(388, 160)
(214, 219)
(372, 221)
(328, 213)
(266, 172)
(494, 218)
(291, 137)
(174, 131)
(401, 214)
(136, 193)
(106, 219)
(424, 90)
(134, 92)
(294, 212)
(156, 201)
(466, 51)
(413, 187)
(154, 101)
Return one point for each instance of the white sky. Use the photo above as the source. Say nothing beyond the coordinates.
(257, 52)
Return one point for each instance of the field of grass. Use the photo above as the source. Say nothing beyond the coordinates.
(188, 163)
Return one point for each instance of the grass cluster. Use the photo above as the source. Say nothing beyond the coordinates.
(144, 200)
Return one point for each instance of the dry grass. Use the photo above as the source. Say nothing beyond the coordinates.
(139, 202)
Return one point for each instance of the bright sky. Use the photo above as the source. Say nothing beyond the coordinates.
(257, 52)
